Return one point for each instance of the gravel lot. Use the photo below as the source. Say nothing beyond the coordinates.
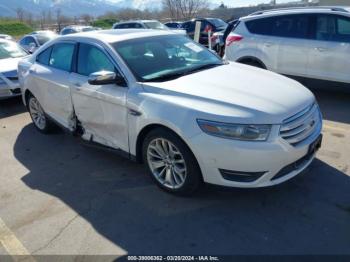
(60, 197)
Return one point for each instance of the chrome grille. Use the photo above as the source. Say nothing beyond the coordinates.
(299, 127)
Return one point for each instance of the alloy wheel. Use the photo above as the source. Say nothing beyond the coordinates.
(166, 162)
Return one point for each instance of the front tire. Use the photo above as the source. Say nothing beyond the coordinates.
(171, 163)
(39, 118)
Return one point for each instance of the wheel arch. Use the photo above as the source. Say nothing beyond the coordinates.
(253, 59)
(146, 130)
(27, 94)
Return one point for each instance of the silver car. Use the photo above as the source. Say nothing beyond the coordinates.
(33, 41)
(10, 54)
(159, 98)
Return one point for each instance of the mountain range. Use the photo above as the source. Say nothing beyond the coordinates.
(74, 7)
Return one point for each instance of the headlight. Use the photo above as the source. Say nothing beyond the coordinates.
(235, 131)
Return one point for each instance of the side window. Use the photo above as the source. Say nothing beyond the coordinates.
(133, 25)
(189, 26)
(333, 28)
(91, 59)
(44, 57)
(294, 26)
(30, 40)
(260, 26)
(61, 56)
(23, 41)
(204, 24)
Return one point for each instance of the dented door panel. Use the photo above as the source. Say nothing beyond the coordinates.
(102, 111)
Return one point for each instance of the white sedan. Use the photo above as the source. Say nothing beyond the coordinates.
(164, 100)
(10, 54)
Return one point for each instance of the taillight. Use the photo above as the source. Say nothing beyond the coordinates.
(233, 38)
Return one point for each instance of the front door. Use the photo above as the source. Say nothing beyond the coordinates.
(101, 109)
(330, 50)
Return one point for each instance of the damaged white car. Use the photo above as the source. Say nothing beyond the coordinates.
(10, 54)
(164, 100)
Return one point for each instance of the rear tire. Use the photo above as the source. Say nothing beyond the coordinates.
(253, 63)
(171, 163)
(38, 116)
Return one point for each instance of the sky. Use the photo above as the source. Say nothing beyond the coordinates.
(234, 3)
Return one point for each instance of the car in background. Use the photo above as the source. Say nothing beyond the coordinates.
(10, 54)
(160, 98)
(73, 29)
(7, 37)
(34, 40)
(304, 43)
(146, 24)
(214, 24)
(174, 25)
(43, 32)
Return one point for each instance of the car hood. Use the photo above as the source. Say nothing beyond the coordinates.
(9, 64)
(236, 92)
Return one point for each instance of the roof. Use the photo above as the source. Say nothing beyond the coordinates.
(299, 10)
(116, 35)
(78, 26)
(135, 21)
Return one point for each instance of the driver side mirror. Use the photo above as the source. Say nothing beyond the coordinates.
(106, 78)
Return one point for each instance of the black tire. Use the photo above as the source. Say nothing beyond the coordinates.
(253, 63)
(193, 179)
(48, 125)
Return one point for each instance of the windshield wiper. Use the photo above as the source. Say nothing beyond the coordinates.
(204, 67)
(166, 77)
(175, 75)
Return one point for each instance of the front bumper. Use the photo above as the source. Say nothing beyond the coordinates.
(269, 163)
(9, 87)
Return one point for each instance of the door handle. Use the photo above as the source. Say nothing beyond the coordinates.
(320, 49)
(31, 70)
(268, 44)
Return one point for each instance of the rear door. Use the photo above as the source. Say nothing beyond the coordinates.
(293, 32)
(51, 74)
(101, 109)
(260, 42)
(329, 58)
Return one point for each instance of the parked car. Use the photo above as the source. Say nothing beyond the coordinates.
(33, 41)
(219, 38)
(174, 25)
(146, 24)
(7, 37)
(73, 29)
(43, 32)
(217, 27)
(312, 42)
(10, 54)
(162, 99)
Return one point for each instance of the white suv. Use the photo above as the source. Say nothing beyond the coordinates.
(301, 42)
(165, 100)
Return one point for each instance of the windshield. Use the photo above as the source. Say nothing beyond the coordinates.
(217, 22)
(152, 58)
(156, 25)
(11, 50)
